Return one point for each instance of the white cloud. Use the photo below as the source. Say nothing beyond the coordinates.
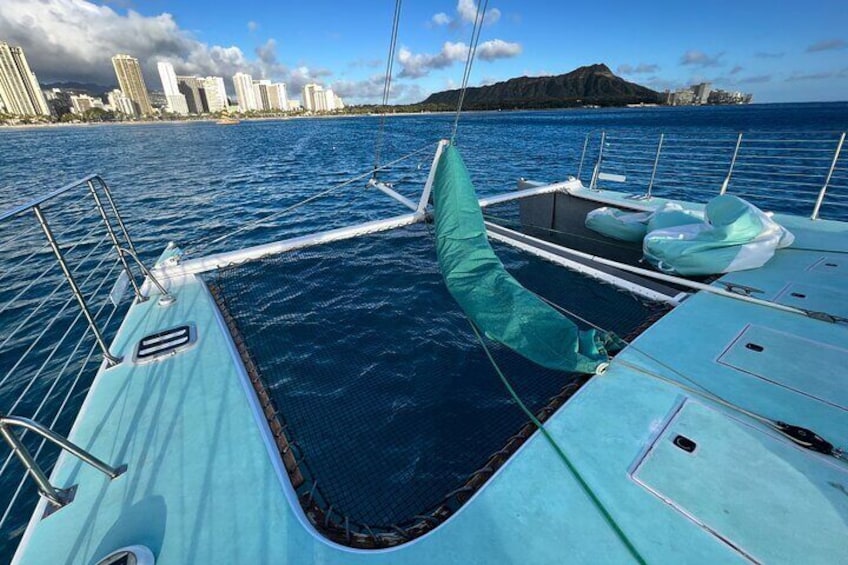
(498, 49)
(441, 19)
(466, 11)
(252, 26)
(419, 65)
(75, 40)
(371, 90)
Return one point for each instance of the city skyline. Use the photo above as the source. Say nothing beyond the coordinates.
(669, 45)
(20, 92)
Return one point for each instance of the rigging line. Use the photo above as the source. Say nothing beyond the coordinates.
(62, 282)
(43, 402)
(49, 268)
(53, 422)
(61, 371)
(46, 245)
(472, 48)
(517, 223)
(275, 215)
(55, 347)
(800, 436)
(684, 282)
(559, 451)
(378, 146)
(49, 325)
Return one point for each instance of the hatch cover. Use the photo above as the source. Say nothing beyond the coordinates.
(768, 499)
(802, 365)
(166, 343)
(815, 297)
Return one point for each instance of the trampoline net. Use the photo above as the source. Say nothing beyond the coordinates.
(386, 411)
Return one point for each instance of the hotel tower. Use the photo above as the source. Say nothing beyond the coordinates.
(131, 82)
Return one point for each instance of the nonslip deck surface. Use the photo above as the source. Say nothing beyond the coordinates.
(204, 484)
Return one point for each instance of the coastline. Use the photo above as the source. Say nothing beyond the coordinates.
(213, 120)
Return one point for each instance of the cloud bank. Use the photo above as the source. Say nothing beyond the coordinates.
(419, 65)
(75, 40)
(466, 13)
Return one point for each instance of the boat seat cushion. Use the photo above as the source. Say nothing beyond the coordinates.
(618, 224)
(634, 226)
(672, 215)
(735, 236)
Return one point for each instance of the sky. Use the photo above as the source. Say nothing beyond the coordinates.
(779, 50)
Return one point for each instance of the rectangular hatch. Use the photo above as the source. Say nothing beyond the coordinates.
(802, 365)
(817, 298)
(768, 499)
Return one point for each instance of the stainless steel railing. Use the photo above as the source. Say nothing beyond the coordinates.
(65, 259)
(776, 170)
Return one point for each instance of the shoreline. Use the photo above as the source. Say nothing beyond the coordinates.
(201, 120)
(206, 120)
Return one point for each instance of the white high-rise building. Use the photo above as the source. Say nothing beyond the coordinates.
(278, 97)
(216, 93)
(331, 100)
(120, 103)
(20, 94)
(243, 84)
(176, 101)
(314, 99)
(260, 93)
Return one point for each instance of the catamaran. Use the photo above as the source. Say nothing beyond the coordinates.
(244, 411)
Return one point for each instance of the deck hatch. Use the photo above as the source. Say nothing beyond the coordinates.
(751, 489)
(797, 363)
(165, 343)
(831, 299)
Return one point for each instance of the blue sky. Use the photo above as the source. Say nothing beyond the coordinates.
(781, 51)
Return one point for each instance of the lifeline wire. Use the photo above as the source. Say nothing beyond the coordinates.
(296, 205)
(378, 146)
(580, 480)
(472, 48)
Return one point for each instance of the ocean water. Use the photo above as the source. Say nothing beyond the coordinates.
(194, 183)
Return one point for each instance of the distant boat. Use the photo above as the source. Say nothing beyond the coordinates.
(228, 121)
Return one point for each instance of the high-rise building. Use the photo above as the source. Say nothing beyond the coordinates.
(314, 99)
(120, 102)
(216, 93)
(176, 100)
(332, 101)
(243, 84)
(702, 92)
(81, 103)
(20, 94)
(260, 93)
(132, 84)
(192, 88)
(278, 97)
(59, 101)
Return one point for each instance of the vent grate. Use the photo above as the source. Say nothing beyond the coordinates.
(165, 343)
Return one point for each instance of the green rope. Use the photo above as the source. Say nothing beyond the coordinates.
(581, 481)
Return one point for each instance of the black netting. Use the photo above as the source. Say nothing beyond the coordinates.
(389, 407)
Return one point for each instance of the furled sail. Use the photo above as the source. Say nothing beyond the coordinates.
(495, 302)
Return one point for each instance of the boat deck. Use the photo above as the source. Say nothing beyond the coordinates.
(204, 482)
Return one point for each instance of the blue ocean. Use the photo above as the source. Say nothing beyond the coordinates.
(212, 188)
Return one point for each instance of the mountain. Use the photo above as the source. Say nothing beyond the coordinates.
(590, 85)
(85, 87)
